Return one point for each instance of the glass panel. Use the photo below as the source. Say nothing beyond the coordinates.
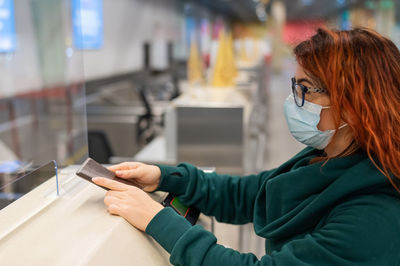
(42, 94)
(16, 183)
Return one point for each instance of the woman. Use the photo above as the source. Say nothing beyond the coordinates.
(334, 203)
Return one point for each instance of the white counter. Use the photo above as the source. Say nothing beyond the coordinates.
(72, 229)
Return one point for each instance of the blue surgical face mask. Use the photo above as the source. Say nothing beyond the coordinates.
(303, 121)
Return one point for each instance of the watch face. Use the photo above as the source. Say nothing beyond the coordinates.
(179, 207)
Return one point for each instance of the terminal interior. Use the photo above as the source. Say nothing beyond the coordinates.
(154, 81)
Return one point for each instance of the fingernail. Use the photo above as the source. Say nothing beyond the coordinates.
(94, 179)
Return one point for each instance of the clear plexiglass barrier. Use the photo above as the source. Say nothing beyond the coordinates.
(42, 94)
(17, 186)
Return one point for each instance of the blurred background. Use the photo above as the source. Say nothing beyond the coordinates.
(158, 81)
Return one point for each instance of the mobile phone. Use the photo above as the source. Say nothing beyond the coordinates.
(90, 169)
(190, 213)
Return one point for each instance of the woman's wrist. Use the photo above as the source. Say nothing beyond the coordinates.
(157, 174)
(153, 212)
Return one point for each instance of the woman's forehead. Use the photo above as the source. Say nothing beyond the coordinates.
(301, 75)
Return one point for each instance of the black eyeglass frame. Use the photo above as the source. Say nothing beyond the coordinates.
(304, 90)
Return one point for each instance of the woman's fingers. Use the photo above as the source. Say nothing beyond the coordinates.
(123, 166)
(114, 209)
(117, 204)
(120, 166)
(132, 173)
(109, 200)
(111, 184)
(115, 194)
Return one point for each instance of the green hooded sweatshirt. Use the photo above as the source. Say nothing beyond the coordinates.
(342, 213)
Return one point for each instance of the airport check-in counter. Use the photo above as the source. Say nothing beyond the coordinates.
(115, 110)
(223, 128)
(210, 128)
(73, 228)
(206, 127)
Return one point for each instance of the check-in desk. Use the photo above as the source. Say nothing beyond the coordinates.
(210, 128)
(118, 120)
(204, 126)
(73, 228)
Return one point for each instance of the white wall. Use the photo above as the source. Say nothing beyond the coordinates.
(127, 25)
(19, 71)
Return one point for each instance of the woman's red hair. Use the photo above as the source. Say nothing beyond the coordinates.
(361, 70)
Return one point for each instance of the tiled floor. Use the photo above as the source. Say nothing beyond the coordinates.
(280, 147)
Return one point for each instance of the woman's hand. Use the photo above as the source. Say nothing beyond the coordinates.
(129, 202)
(148, 176)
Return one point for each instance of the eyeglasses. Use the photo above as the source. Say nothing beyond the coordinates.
(299, 92)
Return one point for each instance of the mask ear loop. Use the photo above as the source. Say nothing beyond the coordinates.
(342, 126)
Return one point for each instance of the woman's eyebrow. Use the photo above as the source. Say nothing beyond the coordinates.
(303, 80)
